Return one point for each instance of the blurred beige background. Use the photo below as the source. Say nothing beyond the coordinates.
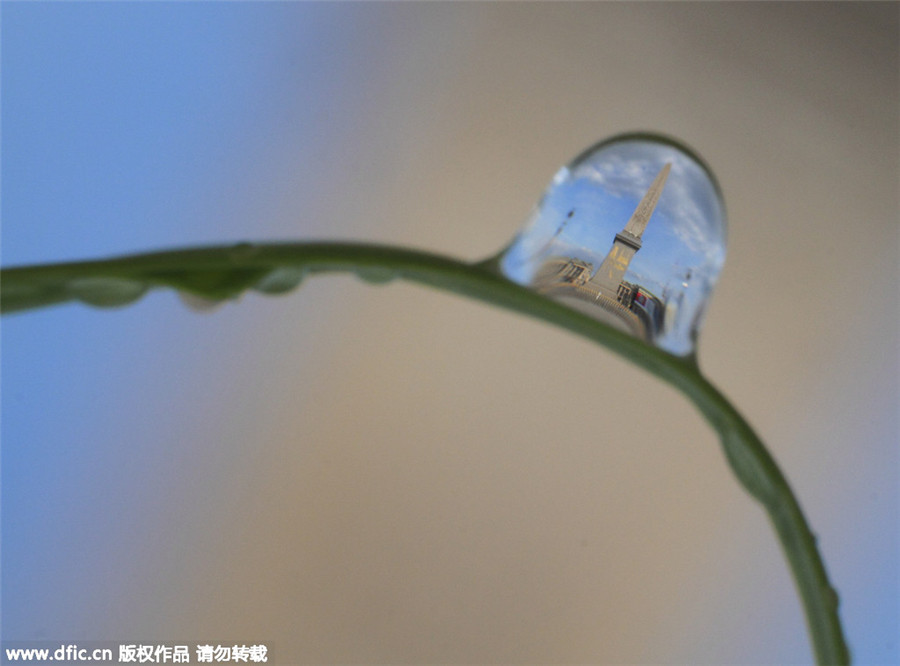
(395, 475)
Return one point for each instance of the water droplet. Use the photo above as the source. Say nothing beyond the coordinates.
(280, 280)
(199, 303)
(631, 232)
(242, 252)
(376, 274)
(106, 292)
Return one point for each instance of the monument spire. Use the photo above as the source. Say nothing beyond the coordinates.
(611, 273)
(642, 213)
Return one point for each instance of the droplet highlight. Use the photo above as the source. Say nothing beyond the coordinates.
(631, 232)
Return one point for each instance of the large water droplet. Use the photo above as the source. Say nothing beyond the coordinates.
(631, 232)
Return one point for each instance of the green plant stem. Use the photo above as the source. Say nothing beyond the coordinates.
(225, 272)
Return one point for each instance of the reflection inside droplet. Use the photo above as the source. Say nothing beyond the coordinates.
(631, 232)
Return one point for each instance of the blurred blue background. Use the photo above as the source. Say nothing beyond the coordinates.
(359, 474)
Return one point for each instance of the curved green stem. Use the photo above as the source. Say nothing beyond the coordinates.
(224, 272)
